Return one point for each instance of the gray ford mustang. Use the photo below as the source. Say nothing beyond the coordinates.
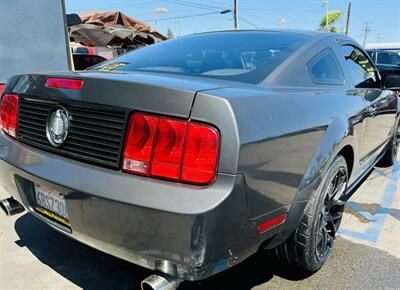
(188, 156)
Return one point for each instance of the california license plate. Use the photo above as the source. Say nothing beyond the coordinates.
(51, 203)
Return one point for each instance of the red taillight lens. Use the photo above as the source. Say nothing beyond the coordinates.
(172, 149)
(1, 88)
(9, 114)
(139, 144)
(61, 83)
(200, 160)
(168, 149)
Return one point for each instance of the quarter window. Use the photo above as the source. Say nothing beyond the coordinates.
(361, 69)
(324, 69)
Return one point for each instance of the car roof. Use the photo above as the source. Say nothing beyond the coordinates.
(307, 33)
(293, 31)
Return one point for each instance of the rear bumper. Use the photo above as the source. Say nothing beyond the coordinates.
(199, 230)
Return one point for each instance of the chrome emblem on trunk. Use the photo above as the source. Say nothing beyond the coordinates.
(57, 126)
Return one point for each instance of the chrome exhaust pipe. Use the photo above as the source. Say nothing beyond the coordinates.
(11, 206)
(157, 282)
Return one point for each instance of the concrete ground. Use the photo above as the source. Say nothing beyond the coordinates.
(366, 255)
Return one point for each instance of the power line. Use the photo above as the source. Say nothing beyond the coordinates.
(195, 5)
(257, 16)
(183, 16)
(248, 22)
(137, 4)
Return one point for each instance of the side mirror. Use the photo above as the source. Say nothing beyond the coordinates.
(392, 82)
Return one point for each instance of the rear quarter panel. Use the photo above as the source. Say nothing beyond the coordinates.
(280, 139)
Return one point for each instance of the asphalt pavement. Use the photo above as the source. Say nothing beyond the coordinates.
(366, 254)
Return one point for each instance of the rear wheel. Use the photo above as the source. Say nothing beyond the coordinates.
(311, 243)
(390, 156)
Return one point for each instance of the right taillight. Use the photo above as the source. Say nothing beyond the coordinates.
(1, 88)
(9, 114)
(171, 149)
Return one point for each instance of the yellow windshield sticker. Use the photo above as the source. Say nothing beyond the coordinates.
(113, 66)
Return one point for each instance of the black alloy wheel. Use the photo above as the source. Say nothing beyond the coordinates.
(311, 243)
(331, 214)
(390, 155)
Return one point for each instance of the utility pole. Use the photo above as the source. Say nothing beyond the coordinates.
(366, 29)
(379, 37)
(158, 10)
(348, 19)
(235, 14)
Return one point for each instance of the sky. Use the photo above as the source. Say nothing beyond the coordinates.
(191, 16)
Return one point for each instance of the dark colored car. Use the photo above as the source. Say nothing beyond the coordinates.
(188, 156)
(388, 63)
(84, 61)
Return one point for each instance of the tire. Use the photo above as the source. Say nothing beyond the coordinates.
(311, 243)
(390, 156)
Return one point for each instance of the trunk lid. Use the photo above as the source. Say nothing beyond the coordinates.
(150, 92)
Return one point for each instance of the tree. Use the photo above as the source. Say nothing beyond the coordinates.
(170, 34)
(332, 17)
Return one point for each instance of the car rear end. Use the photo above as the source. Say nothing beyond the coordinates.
(139, 157)
(174, 206)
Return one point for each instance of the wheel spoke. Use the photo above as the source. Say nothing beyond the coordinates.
(337, 215)
(330, 240)
(334, 203)
(334, 225)
(324, 241)
(319, 237)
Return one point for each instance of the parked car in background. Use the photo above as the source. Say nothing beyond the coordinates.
(387, 62)
(190, 155)
(84, 61)
(80, 49)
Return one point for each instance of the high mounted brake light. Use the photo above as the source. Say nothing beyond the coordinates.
(61, 83)
(9, 114)
(171, 149)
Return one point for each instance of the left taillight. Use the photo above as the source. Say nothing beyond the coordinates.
(171, 149)
(9, 114)
(1, 88)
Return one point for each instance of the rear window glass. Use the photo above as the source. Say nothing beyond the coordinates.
(238, 56)
(324, 69)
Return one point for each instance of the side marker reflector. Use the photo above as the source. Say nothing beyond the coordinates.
(270, 224)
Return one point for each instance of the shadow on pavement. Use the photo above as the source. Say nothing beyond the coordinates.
(84, 266)
(89, 268)
(256, 270)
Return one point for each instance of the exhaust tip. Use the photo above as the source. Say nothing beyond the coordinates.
(157, 282)
(11, 206)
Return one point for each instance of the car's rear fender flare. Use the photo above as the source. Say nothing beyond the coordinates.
(338, 135)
